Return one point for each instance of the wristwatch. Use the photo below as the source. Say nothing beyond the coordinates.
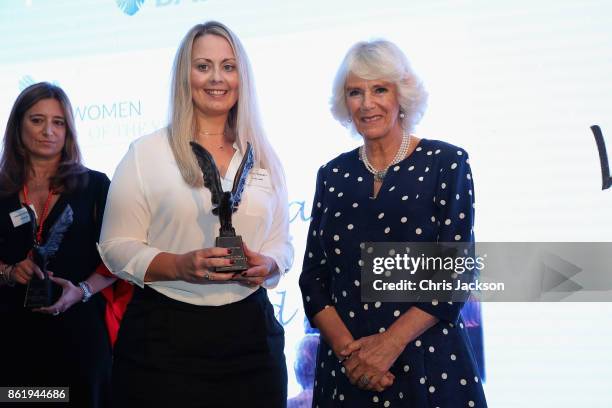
(86, 291)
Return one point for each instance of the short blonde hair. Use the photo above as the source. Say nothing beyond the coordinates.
(243, 119)
(382, 60)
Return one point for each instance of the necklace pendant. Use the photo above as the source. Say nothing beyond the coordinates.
(379, 175)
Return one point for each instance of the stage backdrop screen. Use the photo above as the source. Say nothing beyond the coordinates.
(517, 84)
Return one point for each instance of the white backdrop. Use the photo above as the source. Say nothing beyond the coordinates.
(515, 83)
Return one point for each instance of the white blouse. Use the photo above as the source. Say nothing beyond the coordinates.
(150, 209)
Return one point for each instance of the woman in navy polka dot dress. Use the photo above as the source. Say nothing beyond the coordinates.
(394, 188)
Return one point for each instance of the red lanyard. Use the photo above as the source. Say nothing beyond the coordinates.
(43, 217)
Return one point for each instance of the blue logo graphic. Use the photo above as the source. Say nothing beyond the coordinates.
(281, 310)
(296, 211)
(27, 80)
(130, 7)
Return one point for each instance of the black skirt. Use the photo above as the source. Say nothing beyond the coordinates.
(171, 353)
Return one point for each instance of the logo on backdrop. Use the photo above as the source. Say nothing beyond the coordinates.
(27, 80)
(282, 315)
(296, 211)
(130, 7)
(111, 110)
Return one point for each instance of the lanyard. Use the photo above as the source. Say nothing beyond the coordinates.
(43, 216)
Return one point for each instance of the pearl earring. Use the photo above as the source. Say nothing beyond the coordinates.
(402, 115)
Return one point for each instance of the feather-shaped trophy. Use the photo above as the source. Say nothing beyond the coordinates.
(225, 203)
(38, 293)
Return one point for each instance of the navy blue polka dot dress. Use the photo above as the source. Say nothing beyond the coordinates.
(427, 197)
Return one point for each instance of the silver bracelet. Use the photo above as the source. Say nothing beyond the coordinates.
(5, 273)
(87, 292)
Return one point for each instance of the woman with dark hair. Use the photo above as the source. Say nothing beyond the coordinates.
(193, 336)
(66, 343)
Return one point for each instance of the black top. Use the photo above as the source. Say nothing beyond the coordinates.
(72, 349)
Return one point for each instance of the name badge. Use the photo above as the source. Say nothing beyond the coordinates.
(259, 178)
(20, 217)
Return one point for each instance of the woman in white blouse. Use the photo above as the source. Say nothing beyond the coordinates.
(191, 336)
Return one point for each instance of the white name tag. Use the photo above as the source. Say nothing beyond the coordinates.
(259, 178)
(20, 217)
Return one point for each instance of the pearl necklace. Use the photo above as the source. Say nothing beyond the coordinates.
(379, 175)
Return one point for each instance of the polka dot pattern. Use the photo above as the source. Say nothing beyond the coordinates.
(426, 197)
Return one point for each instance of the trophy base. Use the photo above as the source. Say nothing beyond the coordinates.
(38, 293)
(240, 261)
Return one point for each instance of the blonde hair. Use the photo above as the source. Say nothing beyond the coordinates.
(382, 60)
(243, 119)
